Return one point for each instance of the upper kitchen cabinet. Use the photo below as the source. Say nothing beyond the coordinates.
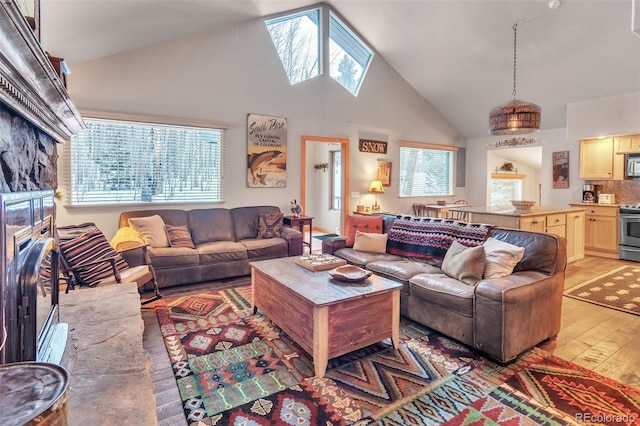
(598, 160)
(627, 144)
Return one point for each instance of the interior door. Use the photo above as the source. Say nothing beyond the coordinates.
(317, 203)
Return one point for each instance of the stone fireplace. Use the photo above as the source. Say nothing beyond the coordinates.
(36, 113)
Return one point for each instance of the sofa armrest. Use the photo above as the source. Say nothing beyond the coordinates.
(515, 313)
(332, 244)
(294, 239)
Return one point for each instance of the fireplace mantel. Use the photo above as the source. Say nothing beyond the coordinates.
(29, 84)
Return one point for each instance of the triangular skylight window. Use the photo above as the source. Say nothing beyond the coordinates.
(349, 56)
(297, 41)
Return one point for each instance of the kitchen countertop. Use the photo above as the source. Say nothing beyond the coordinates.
(512, 212)
(596, 204)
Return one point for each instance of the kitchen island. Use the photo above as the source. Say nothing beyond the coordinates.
(568, 222)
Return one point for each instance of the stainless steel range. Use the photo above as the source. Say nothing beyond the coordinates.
(630, 232)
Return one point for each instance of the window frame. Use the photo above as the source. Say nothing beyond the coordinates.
(427, 147)
(66, 189)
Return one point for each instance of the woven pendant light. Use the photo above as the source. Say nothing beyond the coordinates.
(515, 117)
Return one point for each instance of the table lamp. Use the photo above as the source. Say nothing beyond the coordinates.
(376, 188)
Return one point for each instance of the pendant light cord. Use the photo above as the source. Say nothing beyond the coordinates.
(515, 32)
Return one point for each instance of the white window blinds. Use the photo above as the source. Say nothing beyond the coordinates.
(127, 162)
(426, 171)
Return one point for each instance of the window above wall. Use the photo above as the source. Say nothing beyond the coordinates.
(427, 170)
(349, 56)
(297, 40)
(299, 43)
(133, 162)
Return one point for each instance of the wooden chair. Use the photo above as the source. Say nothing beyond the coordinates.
(86, 258)
(462, 216)
(420, 209)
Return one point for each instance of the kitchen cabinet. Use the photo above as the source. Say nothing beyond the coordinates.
(627, 144)
(564, 222)
(601, 231)
(598, 160)
(532, 223)
(575, 230)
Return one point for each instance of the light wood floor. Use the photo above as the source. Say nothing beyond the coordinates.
(602, 339)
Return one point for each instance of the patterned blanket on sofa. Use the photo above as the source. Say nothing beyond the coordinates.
(430, 238)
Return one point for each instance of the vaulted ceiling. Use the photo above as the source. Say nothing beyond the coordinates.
(458, 54)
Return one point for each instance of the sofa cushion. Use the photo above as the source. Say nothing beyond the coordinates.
(168, 257)
(267, 248)
(373, 243)
(269, 225)
(179, 236)
(444, 291)
(210, 225)
(362, 258)
(401, 270)
(542, 252)
(464, 263)
(245, 220)
(151, 229)
(371, 224)
(221, 251)
(501, 258)
(430, 238)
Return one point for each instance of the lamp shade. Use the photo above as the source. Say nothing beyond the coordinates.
(376, 187)
(514, 118)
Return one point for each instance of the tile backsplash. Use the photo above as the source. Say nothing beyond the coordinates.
(627, 191)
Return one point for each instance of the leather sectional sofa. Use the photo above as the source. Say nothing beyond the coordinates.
(501, 317)
(224, 242)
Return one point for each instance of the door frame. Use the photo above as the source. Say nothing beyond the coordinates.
(344, 152)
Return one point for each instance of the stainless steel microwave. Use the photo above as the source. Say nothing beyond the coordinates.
(633, 165)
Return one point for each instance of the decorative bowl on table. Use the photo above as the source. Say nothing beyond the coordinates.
(522, 205)
(350, 273)
(441, 202)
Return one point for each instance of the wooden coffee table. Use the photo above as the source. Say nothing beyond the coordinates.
(327, 318)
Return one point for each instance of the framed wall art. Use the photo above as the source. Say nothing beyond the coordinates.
(266, 151)
(384, 172)
(561, 169)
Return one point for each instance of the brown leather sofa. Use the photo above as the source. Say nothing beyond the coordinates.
(225, 242)
(501, 317)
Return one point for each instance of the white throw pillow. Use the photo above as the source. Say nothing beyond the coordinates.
(151, 229)
(501, 258)
(373, 243)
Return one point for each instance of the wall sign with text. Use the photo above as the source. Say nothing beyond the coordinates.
(267, 151)
(377, 147)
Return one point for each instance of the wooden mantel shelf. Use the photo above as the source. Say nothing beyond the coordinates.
(508, 176)
(29, 84)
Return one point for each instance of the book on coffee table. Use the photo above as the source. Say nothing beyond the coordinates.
(320, 262)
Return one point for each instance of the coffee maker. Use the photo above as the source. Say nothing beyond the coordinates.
(589, 194)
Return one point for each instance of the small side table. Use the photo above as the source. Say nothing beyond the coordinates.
(300, 223)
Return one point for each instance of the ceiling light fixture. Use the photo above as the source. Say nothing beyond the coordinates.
(515, 117)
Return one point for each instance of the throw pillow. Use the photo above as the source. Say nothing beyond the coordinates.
(91, 247)
(501, 258)
(373, 243)
(179, 236)
(369, 224)
(270, 225)
(463, 263)
(151, 229)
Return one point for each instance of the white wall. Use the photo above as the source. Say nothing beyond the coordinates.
(223, 76)
(479, 173)
(615, 115)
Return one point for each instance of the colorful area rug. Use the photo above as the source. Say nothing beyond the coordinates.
(324, 236)
(618, 289)
(236, 368)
